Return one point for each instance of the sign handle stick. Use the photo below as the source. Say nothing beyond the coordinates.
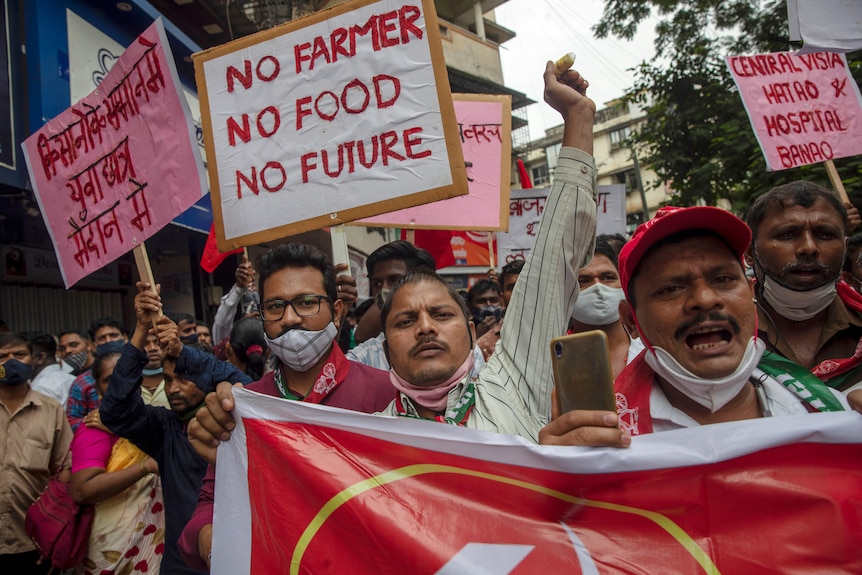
(142, 260)
(491, 250)
(836, 180)
(411, 236)
(339, 246)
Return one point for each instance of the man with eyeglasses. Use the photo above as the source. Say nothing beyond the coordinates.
(301, 312)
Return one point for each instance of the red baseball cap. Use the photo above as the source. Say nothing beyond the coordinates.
(670, 220)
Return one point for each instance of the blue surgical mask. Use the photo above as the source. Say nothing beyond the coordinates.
(189, 339)
(110, 347)
(14, 372)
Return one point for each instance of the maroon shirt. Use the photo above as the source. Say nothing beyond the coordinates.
(364, 389)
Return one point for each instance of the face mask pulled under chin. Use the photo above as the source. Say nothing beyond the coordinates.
(798, 305)
(713, 394)
(301, 349)
(14, 373)
(598, 305)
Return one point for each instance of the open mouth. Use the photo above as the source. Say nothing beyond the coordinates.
(708, 338)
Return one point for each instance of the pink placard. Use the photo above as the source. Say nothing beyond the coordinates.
(484, 127)
(119, 165)
(804, 108)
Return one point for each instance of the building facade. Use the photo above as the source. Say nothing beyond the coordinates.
(616, 161)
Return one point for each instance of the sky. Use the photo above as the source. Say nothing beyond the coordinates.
(547, 29)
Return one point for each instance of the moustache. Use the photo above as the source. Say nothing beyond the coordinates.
(426, 340)
(799, 266)
(176, 397)
(703, 318)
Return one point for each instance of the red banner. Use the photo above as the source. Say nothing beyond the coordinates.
(346, 497)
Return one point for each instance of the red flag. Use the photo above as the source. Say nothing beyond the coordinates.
(523, 175)
(368, 495)
(437, 242)
(211, 258)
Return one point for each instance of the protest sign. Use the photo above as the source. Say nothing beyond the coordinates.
(831, 25)
(340, 115)
(444, 499)
(119, 165)
(804, 108)
(485, 126)
(526, 207)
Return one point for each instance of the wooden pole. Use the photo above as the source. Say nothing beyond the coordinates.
(339, 246)
(411, 236)
(491, 250)
(142, 260)
(837, 184)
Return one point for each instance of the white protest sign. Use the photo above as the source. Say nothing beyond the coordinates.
(525, 210)
(826, 25)
(340, 115)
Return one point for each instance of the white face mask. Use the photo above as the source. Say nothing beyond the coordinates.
(798, 305)
(713, 394)
(300, 349)
(598, 305)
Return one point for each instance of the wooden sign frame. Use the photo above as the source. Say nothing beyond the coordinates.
(451, 137)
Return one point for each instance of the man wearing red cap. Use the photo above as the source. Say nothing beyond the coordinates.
(689, 299)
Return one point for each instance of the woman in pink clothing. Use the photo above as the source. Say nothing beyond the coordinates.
(122, 482)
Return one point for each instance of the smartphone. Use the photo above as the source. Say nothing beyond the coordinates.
(582, 371)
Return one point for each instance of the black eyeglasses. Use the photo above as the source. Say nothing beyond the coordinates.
(303, 306)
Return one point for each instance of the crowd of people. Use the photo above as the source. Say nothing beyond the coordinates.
(709, 319)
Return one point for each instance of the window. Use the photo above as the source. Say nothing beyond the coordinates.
(619, 137)
(629, 178)
(540, 175)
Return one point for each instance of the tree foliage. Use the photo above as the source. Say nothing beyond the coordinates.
(697, 135)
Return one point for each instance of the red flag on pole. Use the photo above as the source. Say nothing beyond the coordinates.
(437, 242)
(211, 258)
(523, 175)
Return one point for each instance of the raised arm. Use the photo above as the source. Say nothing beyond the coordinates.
(547, 288)
(123, 410)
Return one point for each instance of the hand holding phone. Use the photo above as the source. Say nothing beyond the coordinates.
(582, 371)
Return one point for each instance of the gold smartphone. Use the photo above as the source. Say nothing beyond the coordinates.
(582, 371)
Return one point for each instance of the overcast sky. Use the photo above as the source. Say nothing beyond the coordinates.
(547, 29)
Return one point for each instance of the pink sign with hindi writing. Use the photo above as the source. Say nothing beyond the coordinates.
(119, 165)
(484, 124)
(804, 108)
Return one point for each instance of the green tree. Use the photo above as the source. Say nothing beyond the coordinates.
(697, 135)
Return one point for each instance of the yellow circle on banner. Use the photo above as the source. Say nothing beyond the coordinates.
(409, 471)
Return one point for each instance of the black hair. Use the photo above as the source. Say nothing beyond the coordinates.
(800, 193)
(202, 324)
(293, 255)
(512, 268)
(676, 238)
(99, 363)
(853, 245)
(481, 287)
(105, 322)
(8, 338)
(41, 342)
(248, 333)
(83, 334)
(606, 249)
(400, 250)
(419, 276)
(180, 317)
(359, 310)
(615, 241)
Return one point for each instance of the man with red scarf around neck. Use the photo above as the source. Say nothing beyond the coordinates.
(689, 299)
(301, 311)
(429, 337)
